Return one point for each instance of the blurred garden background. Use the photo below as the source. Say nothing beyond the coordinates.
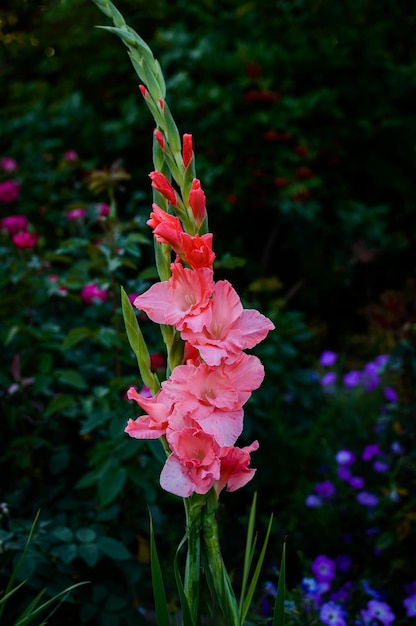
(304, 127)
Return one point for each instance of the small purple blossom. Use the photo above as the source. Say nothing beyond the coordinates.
(410, 605)
(380, 611)
(323, 568)
(328, 358)
(367, 499)
(397, 448)
(390, 394)
(380, 466)
(325, 489)
(370, 451)
(328, 379)
(345, 457)
(381, 360)
(343, 563)
(356, 482)
(313, 502)
(352, 379)
(344, 472)
(331, 614)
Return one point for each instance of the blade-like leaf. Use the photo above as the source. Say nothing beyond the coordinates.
(248, 555)
(279, 607)
(186, 611)
(162, 614)
(138, 343)
(256, 574)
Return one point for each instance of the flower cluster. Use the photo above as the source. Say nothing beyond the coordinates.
(198, 409)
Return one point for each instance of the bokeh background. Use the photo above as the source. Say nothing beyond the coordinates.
(304, 127)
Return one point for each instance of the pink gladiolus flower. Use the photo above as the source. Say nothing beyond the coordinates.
(9, 191)
(194, 464)
(8, 164)
(167, 228)
(231, 329)
(187, 149)
(185, 299)
(163, 186)
(25, 240)
(14, 224)
(234, 472)
(75, 214)
(197, 202)
(91, 294)
(152, 425)
(213, 396)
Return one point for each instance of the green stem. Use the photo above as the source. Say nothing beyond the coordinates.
(222, 604)
(193, 509)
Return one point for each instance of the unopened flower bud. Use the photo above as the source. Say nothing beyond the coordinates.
(197, 202)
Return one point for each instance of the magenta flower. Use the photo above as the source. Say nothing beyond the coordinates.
(8, 164)
(25, 240)
(92, 294)
(103, 209)
(71, 155)
(377, 610)
(323, 568)
(328, 358)
(9, 191)
(75, 214)
(410, 605)
(14, 224)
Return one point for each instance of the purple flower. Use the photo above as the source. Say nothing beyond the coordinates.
(323, 568)
(370, 591)
(342, 595)
(325, 489)
(331, 614)
(370, 451)
(352, 379)
(328, 358)
(313, 502)
(14, 224)
(345, 457)
(410, 605)
(397, 448)
(343, 562)
(367, 499)
(381, 360)
(380, 466)
(356, 482)
(75, 214)
(328, 379)
(8, 164)
(378, 611)
(344, 472)
(370, 378)
(390, 394)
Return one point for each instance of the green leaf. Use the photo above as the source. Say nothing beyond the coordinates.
(59, 403)
(86, 535)
(110, 484)
(71, 378)
(76, 335)
(89, 553)
(279, 607)
(162, 614)
(63, 533)
(113, 548)
(138, 344)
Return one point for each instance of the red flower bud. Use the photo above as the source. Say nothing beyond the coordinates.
(197, 202)
(161, 184)
(159, 138)
(187, 149)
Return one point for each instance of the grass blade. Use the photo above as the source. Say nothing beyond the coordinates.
(279, 607)
(161, 608)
